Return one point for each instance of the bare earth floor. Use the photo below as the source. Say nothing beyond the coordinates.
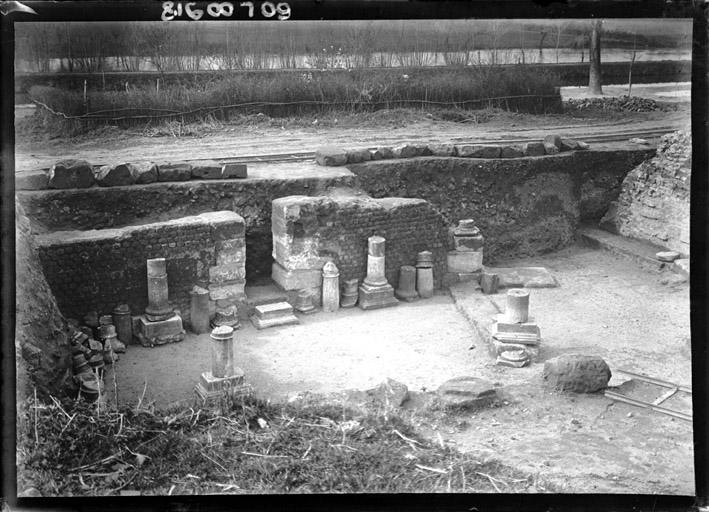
(582, 443)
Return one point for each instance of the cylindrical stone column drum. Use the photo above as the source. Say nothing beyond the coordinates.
(157, 287)
(123, 323)
(330, 287)
(424, 274)
(406, 290)
(376, 265)
(517, 310)
(199, 309)
(222, 351)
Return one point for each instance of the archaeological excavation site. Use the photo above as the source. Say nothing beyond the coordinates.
(447, 276)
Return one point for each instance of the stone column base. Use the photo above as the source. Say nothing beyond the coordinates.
(210, 389)
(159, 333)
(373, 297)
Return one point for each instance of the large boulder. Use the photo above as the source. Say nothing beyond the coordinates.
(576, 372)
(207, 170)
(357, 156)
(390, 392)
(534, 149)
(442, 149)
(478, 151)
(145, 172)
(180, 171)
(510, 152)
(115, 175)
(466, 393)
(71, 174)
(331, 156)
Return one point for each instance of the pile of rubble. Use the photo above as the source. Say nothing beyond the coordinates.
(619, 104)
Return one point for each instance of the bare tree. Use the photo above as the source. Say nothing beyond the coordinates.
(594, 57)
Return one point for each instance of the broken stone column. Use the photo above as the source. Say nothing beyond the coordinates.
(424, 274)
(517, 310)
(304, 302)
(158, 307)
(375, 291)
(489, 283)
(349, 293)
(224, 378)
(330, 287)
(123, 323)
(199, 309)
(407, 284)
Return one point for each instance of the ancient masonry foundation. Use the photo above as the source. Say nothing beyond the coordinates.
(98, 269)
(310, 231)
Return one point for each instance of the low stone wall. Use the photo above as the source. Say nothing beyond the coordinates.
(309, 231)
(99, 269)
(654, 201)
(100, 208)
(523, 206)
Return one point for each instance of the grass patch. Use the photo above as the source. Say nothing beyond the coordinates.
(243, 446)
(294, 94)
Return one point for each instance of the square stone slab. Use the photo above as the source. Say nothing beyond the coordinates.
(524, 277)
(273, 310)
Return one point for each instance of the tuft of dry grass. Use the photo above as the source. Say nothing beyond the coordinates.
(243, 445)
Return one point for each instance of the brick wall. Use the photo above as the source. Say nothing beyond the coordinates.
(98, 269)
(308, 231)
(654, 201)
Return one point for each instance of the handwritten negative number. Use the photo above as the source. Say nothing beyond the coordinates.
(171, 10)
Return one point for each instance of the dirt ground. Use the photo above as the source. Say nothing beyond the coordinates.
(582, 443)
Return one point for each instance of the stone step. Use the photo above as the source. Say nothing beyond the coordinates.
(259, 295)
(640, 251)
(273, 310)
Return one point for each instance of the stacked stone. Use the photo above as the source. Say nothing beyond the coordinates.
(515, 337)
(465, 262)
(304, 303)
(88, 363)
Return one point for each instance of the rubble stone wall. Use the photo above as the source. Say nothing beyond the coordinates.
(654, 201)
(115, 207)
(99, 269)
(42, 349)
(308, 231)
(523, 206)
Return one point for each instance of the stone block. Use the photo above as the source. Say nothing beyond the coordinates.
(382, 154)
(524, 277)
(234, 171)
(534, 149)
(295, 279)
(568, 145)
(231, 291)
(668, 256)
(210, 389)
(71, 174)
(410, 151)
(467, 261)
(375, 297)
(510, 152)
(478, 151)
(35, 180)
(145, 172)
(468, 243)
(467, 393)
(230, 251)
(527, 333)
(206, 170)
(180, 171)
(115, 175)
(553, 139)
(442, 149)
(225, 274)
(158, 333)
(390, 392)
(577, 373)
(358, 156)
(272, 315)
(550, 149)
(489, 283)
(497, 347)
(331, 156)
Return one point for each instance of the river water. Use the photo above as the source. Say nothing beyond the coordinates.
(336, 60)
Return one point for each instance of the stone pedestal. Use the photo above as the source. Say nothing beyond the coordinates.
(158, 307)
(330, 287)
(123, 323)
(407, 284)
(349, 293)
(467, 255)
(225, 378)
(375, 291)
(151, 333)
(424, 274)
(272, 315)
(199, 310)
(304, 303)
(464, 261)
